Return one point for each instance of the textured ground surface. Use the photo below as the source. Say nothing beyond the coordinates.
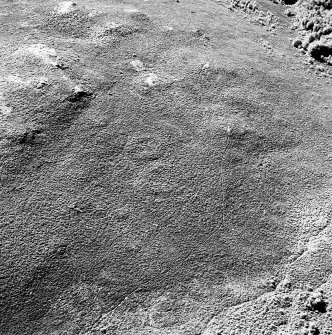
(165, 169)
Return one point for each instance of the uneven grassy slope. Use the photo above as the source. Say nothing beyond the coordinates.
(161, 162)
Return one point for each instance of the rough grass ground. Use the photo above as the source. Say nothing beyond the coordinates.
(129, 207)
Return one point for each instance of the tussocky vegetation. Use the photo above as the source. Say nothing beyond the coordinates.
(165, 168)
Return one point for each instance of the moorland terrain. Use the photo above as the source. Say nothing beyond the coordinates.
(165, 167)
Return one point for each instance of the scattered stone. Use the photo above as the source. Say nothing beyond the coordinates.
(304, 315)
(44, 53)
(137, 65)
(42, 83)
(285, 285)
(26, 136)
(245, 5)
(79, 93)
(151, 80)
(168, 28)
(320, 68)
(265, 19)
(297, 42)
(313, 329)
(317, 302)
(5, 110)
(113, 29)
(66, 7)
(78, 89)
(289, 12)
(206, 66)
(61, 66)
(271, 283)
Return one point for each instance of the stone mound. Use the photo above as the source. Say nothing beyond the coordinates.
(313, 19)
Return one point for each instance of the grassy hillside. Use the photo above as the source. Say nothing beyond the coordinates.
(165, 169)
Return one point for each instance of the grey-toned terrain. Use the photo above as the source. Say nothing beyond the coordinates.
(165, 167)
